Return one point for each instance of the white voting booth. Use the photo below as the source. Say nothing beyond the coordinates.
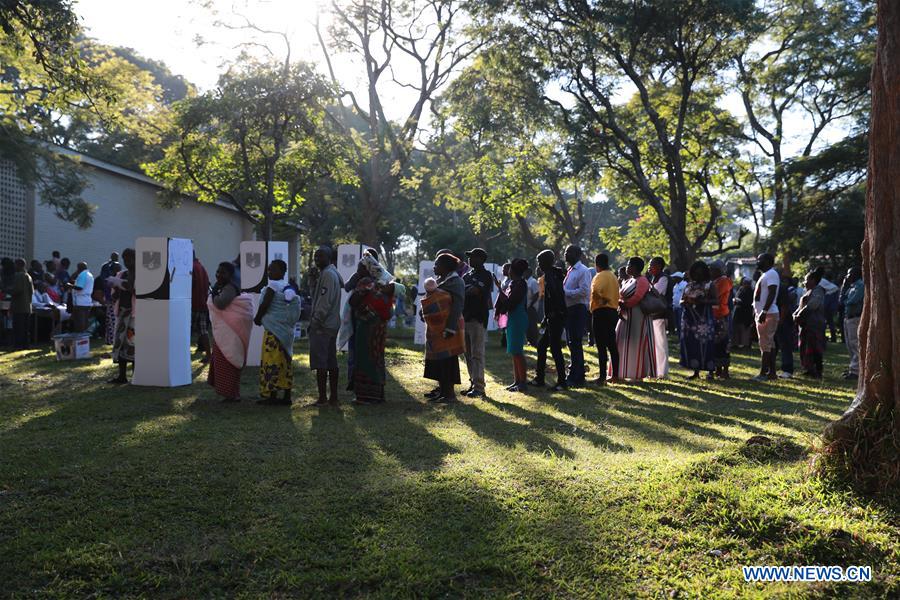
(348, 257)
(162, 325)
(255, 259)
(426, 270)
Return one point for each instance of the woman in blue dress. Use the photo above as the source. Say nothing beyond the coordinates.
(513, 303)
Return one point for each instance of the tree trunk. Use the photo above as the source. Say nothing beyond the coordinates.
(866, 439)
(680, 256)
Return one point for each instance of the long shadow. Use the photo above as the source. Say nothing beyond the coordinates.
(398, 427)
(507, 433)
(549, 424)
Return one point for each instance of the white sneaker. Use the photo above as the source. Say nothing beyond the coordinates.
(785, 375)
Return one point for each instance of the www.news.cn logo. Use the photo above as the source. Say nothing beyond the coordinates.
(807, 573)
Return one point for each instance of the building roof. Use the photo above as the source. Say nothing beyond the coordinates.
(128, 173)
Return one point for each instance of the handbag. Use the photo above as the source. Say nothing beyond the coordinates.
(501, 306)
(653, 304)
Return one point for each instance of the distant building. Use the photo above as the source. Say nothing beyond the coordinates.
(127, 208)
(739, 268)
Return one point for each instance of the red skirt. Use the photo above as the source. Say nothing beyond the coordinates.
(223, 376)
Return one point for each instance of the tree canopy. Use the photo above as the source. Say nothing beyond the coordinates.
(663, 128)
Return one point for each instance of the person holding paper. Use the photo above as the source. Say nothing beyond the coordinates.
(82, 296)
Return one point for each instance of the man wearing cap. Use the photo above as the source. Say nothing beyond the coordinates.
(479, 285)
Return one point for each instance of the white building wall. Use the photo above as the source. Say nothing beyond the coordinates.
(128, 209)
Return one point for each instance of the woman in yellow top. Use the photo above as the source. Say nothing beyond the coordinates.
(605, 316)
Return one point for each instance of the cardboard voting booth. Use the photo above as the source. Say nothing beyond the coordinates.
(162, 311)
(255, 259)
(426, 270)
(348, 257)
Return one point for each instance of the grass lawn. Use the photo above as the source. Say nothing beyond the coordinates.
(633, 491)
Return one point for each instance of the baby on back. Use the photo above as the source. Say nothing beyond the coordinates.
(283, 287)
(430, 285)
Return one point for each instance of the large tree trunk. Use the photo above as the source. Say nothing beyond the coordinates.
(866, 439)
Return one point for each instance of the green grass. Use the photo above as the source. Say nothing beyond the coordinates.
(634, 491)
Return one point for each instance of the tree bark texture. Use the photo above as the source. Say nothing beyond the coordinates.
(867, 437)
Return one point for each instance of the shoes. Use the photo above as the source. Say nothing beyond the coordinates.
(759, 378)
(511, 388)
(519, 387)
(468, 389)
(600, 381)
(851, 376)
(433, 394)
(537, 382)
(710, 377)
(117, 381)
(474, 394)
(559, 387)
(785, 375)
(446, 399)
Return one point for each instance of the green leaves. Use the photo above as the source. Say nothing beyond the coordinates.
(259, 141)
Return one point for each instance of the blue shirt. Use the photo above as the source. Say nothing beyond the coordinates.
(577, 285)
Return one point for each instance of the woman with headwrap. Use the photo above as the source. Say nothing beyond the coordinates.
(371, 304)
(231, 314)
(444, 367)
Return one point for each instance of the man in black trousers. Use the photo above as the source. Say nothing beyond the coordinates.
(554, 321)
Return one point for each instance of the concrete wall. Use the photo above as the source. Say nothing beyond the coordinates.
(128, 209)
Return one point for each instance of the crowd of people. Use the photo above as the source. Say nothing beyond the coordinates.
(628, 315)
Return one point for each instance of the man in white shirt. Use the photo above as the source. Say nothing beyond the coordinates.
(832, 302)
(767, 316)
(577, 289)
(82, 301)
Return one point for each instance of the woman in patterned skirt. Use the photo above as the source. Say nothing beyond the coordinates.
(122, 284)
(698, 327)
(372, 304)
(279, 311)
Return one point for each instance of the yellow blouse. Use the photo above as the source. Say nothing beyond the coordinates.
(604, 290)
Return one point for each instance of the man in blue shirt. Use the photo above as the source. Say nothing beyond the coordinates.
(577, 288)
(852, 296)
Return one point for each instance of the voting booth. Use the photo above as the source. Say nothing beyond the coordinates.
(426, 270)
(348, 257)
(255, 258)
(162, 324)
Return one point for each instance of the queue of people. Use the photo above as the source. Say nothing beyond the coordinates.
(627, 315)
